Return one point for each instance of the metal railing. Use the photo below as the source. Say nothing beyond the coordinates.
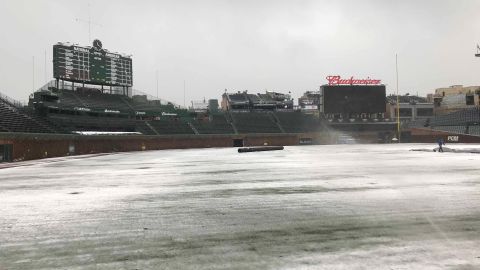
(12, 102)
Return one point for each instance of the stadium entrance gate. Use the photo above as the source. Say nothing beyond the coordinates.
(6, 152)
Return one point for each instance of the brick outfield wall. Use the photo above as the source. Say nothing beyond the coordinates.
(36, 146)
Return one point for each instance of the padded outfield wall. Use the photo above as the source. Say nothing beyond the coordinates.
(425, 135)
(28, 146)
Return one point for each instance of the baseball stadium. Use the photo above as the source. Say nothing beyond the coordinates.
(95, 174)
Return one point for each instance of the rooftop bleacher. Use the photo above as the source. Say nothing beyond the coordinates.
(270, 101)
(254, 99)
(237, 98)
(406, 99)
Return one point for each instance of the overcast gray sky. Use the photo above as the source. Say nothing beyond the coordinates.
(250, 45)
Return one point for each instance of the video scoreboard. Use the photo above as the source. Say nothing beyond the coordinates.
(92, 65)
(353, 98)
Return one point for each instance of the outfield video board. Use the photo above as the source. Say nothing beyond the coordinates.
(92, 65)
(354, 98)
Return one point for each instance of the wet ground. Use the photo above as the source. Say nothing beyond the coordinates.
(312, 207)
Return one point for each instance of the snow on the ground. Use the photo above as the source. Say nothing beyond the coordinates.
(306, 207)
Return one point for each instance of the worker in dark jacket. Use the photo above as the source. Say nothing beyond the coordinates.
(440, 143)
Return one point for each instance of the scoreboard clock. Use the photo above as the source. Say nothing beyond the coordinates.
(97, 44)
(91, 65)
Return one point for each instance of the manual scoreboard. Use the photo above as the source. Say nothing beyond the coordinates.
(92, 65)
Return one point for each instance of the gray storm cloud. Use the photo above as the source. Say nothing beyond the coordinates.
(254, 45)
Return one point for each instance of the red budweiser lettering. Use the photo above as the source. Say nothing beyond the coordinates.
(336, 80)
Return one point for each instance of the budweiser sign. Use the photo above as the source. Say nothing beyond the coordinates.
(337, 80)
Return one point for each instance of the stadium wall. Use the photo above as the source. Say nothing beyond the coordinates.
(28, 146)
(420, 135)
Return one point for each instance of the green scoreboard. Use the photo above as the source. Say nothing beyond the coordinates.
(91, 65)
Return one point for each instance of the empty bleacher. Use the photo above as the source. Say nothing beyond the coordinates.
(89, 123)
(420, 123)
(98, 101)
(13, 120)
(216, 124)
(238, 98)
(143, 127)
(68, 99)
(296, 122)
(452, 129)
(464, 121)
(474, 130)
(462, 117)
(171, 126)
(85, 110)
(255, 122)
(151, 108)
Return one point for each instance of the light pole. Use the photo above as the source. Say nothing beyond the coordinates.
(398, 101)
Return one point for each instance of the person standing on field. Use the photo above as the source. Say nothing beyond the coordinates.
(440, 143)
